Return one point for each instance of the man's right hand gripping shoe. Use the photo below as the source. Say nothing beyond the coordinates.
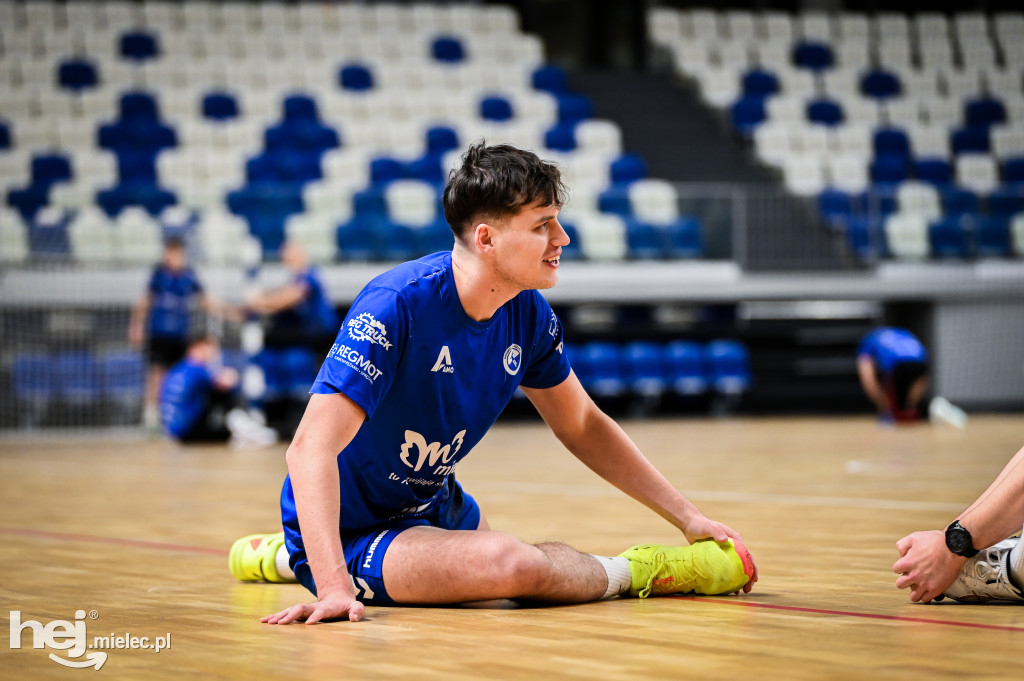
(253, 558)
(985, 577)
(704, 567)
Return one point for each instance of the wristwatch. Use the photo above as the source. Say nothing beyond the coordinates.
(959, 540)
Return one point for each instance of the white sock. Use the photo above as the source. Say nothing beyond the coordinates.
(281, 563)
(1016, 564)
(619, 577)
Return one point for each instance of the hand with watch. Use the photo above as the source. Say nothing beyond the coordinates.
(930, 561)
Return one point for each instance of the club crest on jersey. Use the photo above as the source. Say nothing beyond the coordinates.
(416, 452)
(513, 359)
(553, 326)
(366, 328)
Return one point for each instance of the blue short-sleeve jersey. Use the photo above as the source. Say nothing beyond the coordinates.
(431, 380)
(314, 314)
(889, 346)
(171, 297)
(184, 396)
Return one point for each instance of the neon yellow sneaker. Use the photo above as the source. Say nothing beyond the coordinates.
(704, 567)
(253, 558)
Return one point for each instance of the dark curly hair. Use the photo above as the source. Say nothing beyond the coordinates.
(494, 183)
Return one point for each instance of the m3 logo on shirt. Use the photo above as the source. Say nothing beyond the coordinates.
(366, 328)
(430, 454)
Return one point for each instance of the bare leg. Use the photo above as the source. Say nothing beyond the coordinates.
(426, 565)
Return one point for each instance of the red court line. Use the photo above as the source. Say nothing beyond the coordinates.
(849, 613)
(139, 543)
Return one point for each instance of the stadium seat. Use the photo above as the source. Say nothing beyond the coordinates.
(139, 46)
(1013, 170)
(685, 238)
(813, 55)
(643, 369)
(561, 138)
(889, 169)
(645, 240)
(747, 113)
(550, 78)
(835, 206)
(935, 171)
(977, 172)
(727, 363)
(983, 112)
(918, 198)
(627, 168)
(615, 200)
(880, 84)
(32, 382)
(1005, 201)
(907, 236)
(77, 378)
(496, 108)
(959, 201)
(949, 237)
(448, 50)
(825, 112)
(992, 236)
(760, 83)
(684, 367)
(970, 139)
(865, 237)
(48, 235)
(603, 369)
(220, 106)
(573, 108)
(123, 380)
(77, 75)
(355, 77)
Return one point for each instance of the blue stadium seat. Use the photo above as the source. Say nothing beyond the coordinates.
(49, 168)
(728, 365)
(615, 200)
(948, 237)
(220, 106)
(970, 139)
(355, 238)
(370, 203)
(395, 242)
(865, 237)
(747, 113)
(984, 112)
(147, 195)
(825, 112)
(496, 108)
(813, 55)
(77, 75)
(28, 201)
(891, 142)
(684, 367)
(936, 171)
(685, 238)
(448, 49)
(384, 169)
(550, 78)
(603, 369)
(880, 84)
(645, 241)
(138, 106)
(5, 135)
(138, 46)
(48, 236)
(32, 383)
(572, 250)
(296, 108)
(429, 168)
(561, 137)
(643, 369)
(1006, 201)
(77, 378)
(1013, 170)
(627, 168)
(760, 82)
(441, 139)
(889, 169)
(123, 375)
(355, 77)
(573, 108)
(835, 206)
(435, 237)
(992, 236)
(957, 201)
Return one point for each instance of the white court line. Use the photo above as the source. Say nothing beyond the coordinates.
(733, 497)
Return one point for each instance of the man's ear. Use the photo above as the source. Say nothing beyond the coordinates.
(483, 236)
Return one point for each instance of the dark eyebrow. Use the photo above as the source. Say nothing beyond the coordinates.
(546, 218)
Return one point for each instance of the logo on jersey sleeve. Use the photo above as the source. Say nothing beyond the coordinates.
(513, 359)
(444, 361)
(366, 328)
(416, 452)
(553, 326)
(354, 360)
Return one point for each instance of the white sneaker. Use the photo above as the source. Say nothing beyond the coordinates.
(942, 410)
(986, 577)
(247, 432)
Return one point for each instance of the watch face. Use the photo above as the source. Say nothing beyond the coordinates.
(958, 540)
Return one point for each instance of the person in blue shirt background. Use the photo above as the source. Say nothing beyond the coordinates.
(893, 368)
(198, 400)
(163, 318)
(300, 313)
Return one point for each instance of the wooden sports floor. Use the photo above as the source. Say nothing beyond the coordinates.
(136, 533)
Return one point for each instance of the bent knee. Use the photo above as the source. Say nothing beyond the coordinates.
(523, 568)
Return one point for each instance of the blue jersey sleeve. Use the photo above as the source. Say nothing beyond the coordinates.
(549, 364)
(364, 360)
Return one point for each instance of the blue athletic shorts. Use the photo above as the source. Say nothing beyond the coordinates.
(365, 548)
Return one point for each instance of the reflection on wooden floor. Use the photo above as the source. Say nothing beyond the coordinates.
(136, 532)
